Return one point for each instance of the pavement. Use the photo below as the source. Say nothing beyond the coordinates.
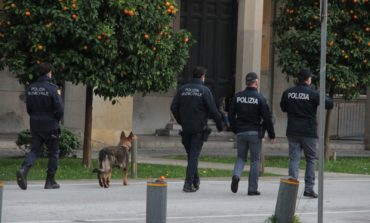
(346, 197)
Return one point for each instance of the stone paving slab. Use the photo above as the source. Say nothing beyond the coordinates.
(345, 200)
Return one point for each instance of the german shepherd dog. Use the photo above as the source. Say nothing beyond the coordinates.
(114, 156)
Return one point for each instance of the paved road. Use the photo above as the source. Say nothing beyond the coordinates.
(345, 200)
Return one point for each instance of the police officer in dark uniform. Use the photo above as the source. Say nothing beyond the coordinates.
(300, 102)
(191, 107)
(249, 114)
(45, 108)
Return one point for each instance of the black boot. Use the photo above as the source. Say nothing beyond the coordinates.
(51, 183)
(234, 183)
(189, 188)
(22, 177)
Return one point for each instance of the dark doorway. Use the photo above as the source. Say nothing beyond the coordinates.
(213, 24)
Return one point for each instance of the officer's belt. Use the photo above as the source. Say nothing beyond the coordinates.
(249, 133)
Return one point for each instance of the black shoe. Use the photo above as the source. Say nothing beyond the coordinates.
(51, 183)
(22, 178)
(189, 188)
(311, 194)
(234, 184)
(196, 185)
(255, 193)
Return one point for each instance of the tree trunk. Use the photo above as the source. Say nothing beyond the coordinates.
(327, 135)
(86, 161)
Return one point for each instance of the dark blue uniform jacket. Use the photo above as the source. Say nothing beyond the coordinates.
(44, 105)
(248, 111)
(300, 102)
(192, 105)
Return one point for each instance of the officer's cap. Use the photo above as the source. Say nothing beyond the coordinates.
(198, 71)
(251, 76)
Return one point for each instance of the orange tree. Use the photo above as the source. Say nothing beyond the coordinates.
(297, 42)
(114, 47)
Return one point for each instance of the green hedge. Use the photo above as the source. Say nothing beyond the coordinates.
(68, 142)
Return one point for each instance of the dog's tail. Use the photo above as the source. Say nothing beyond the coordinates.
(96, 170)
(105, 165)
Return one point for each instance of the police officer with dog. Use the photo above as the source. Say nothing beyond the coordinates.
(300, 103)
(45, 108)
(249, 117)
(191, 107)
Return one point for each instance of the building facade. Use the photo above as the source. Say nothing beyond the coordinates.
(233, 38)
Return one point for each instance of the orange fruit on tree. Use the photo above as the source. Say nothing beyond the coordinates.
(74, 16)
(367, 29)
(99, 37)
(40, 47)
(146, 36)
(74, 6)
(168, 3)
(131, 12)
(27, 13)
(65, 8)
(186, 39)
(13, 5)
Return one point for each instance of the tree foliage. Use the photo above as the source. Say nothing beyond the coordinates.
(297, 40)
(119, 47)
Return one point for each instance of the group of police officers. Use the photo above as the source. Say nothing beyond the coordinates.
(249, 117)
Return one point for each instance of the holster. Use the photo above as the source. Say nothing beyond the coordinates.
(262, 130)
(205, 133)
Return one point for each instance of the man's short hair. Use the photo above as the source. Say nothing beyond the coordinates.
(198, 71)
(44, 68)
(250, 78)
(304, 74)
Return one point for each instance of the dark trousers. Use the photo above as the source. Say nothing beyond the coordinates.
(193, 145)
(51, 140)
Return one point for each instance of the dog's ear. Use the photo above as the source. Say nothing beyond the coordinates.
(131, 136)
(123, 135)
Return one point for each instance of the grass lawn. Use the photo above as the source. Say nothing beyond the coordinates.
(355, 165)
(71, 168)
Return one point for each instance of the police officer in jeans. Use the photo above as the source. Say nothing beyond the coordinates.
(247, 112)
(191, 107)
(300, 102)
(45, 108)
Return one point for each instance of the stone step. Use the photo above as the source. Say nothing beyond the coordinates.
(225, 145)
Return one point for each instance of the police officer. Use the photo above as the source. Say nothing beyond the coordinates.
(45, 108)
(191, 106)
(249, 114)
(300, 103)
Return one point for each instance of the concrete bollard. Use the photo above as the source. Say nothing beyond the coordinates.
(134, 158)
(1, 198)
(156, 202)
(286, 201)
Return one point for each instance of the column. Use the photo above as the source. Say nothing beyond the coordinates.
(249, 40)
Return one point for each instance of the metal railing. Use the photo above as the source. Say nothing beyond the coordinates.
(348, 119)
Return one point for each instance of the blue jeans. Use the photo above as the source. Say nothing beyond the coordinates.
(248, 141)
(193, 145)
(308, 145)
